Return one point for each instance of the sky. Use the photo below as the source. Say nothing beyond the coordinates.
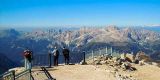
(79, 12)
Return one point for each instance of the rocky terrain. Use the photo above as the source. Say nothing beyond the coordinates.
(128, 66)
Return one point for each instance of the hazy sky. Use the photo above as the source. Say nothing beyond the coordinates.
(79, 12)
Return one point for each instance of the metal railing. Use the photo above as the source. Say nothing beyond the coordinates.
(100, 52)
(47, 74)
(47, 59)
(10, 75)
(75, 57)
(24, 75)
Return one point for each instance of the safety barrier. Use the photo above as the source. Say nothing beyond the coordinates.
(24, 75)
(47, 74)
(47, 59)
(10, 75)
(101, 52)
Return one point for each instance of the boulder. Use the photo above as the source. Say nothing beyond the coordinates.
(141, 63)
(142, 56)
(115, 59)
(123, 56)
(103, 62)
(131, 57)
(98, 62)
(128, 57)
(128, 66)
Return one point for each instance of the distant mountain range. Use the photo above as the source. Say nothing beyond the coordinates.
(128, 39)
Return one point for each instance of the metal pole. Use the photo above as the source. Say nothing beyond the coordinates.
(106, 50)
(92, 55)
(13, 73)
(50, 60)
(111, 51)
(84, 57)
(39, 61)
(25, 63)
(30, 75)
(132, 53)
(100, 52)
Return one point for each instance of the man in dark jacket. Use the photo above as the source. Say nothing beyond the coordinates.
(55, 56)
(66, 55)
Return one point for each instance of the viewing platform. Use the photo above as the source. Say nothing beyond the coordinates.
(69, 72)
(100, 67)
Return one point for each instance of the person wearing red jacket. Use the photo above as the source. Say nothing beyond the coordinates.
(28, 58)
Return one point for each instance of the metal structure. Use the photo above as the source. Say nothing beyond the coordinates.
(47, 59)
(102, 51)
(24, 75)
(10, 75)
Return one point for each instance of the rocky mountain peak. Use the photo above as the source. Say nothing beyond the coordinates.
(112, 28)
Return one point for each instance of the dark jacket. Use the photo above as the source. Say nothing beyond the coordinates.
(65, 52)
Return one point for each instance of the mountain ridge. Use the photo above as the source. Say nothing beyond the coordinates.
(83, 39)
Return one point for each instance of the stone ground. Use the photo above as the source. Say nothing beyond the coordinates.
(38, 74)
(147, 72)
(95, 72)
(80, 72)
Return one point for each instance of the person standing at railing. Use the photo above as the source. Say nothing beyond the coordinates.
(66, 55)
(55, 53)
(25, 59)
(28, 58)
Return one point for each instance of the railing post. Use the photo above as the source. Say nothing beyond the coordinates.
(92, 56)
(84, 55)
(39, 60)
(111, 52)
(132, 53)
(50, 60)
(13, 75)
(106, 50)
(30, 75)
(25, 63)
(100, 53)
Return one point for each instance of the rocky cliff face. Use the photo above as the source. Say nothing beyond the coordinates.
(111, 35)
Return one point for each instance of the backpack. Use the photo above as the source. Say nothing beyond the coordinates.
(56, 53)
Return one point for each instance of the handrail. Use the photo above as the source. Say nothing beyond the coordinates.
(23, 73)
(11, 75)
(47, 73)
(7, 74)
